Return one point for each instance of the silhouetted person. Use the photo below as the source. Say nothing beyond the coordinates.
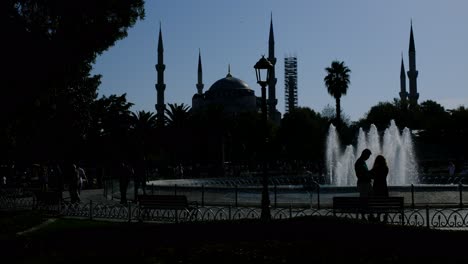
(363, 174)
(82, 179)
(58, 175)
(451, 169)
(380, 172)
(126, 172)
(74, 177)
(44, 177)
(140, 176)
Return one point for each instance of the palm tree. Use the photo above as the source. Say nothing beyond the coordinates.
(337, 81)
(177, 115)
(143, 122)
(143, 126)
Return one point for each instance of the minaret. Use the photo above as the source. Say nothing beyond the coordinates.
(200, 75)
(403, 93)
(275, 116)
(160, 86)
(412, 73)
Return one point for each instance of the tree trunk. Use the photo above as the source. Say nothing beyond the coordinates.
(338, 113)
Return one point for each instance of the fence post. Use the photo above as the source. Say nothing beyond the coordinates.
(290, 211)
(460, 188)
(175, 189)
(427, 216)
(152, 188)
(203, 195)
(276, 199)
(412, 196)
(229, 215)
(90, 209)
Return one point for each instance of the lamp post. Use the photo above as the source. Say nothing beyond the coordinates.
(262, 70)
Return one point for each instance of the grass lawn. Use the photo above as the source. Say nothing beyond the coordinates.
(13, 222)
(307, 239)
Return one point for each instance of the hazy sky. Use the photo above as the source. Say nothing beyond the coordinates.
(368, 35)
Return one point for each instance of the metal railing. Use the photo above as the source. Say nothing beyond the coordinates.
(310, 194)
(427, 216)
(432, 215)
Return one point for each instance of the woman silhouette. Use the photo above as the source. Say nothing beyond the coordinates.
(380, 171)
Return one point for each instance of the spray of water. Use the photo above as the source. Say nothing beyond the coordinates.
(396, 147)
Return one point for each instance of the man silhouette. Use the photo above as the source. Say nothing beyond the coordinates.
(363, 174)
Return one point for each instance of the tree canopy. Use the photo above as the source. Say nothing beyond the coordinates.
(337, 81)
(51, 46)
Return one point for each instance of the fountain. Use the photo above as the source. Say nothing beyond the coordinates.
(396, 147)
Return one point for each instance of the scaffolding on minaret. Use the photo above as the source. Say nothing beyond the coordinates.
(290, 83)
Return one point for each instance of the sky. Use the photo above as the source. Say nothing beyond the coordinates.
(370, 36)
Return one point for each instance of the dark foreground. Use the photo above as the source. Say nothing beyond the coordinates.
(308, 239)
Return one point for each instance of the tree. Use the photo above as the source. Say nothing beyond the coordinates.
(51, 46)
(434, 115)
(143, 128)
(458, 133)
(329, 112)
(177, 115)
(143, 123)
(381, 114)
(337, 81)
(109, 134)
(302, 133)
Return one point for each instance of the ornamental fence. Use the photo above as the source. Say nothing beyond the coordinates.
(430, 217)
(285, 191)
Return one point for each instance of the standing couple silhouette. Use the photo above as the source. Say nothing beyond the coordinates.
(378, 174)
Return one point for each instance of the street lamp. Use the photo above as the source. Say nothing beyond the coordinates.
(262, 70)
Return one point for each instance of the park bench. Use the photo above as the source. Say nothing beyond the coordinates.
(45, 197)
(368, 205)
(173, 203)
(47, 201)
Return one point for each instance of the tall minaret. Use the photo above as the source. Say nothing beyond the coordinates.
(274, 115)
(160, 86)
(412, 73)
(200, 75)
(403, 93)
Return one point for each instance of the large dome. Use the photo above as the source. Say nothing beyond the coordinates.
(229, 83)
(234, 95)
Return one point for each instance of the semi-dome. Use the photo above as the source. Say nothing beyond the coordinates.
(229, 83)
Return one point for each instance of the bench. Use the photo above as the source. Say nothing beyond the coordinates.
(368, 205)
(49, 197)
(49, 202)
(164, 202)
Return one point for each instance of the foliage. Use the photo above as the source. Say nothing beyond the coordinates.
(337, 81)
(302, 134)
(177, 115)
(329, 113)
(48, 89)
(110, 127)
(143, 123)
(380, 115)
(438, 132)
